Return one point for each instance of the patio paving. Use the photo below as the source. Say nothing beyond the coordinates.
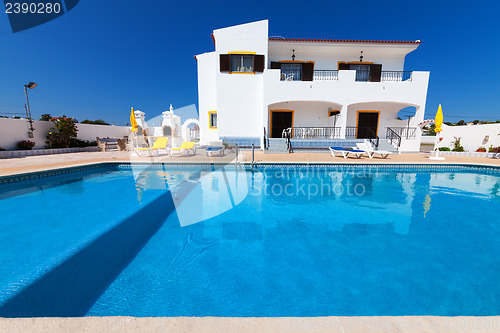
(26, 164)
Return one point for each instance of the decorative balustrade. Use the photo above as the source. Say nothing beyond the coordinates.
(361, 75)
(395, 76)
(314, 132)
(318, 75)
(325, 75)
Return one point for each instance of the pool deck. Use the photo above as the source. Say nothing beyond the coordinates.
(414, 324)
(210, 324)
(27, 164)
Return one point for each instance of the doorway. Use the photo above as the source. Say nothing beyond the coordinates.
(280, 120)
(367, 124)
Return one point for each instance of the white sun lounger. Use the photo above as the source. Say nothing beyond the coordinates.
(367, 146)
(345, 152)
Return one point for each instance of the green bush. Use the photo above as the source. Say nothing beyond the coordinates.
(60, 136)
(444, 149)
(80, 143)
(457, 146)
(95, 122)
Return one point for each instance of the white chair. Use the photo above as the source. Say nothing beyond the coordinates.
(345, 152)
(367, 146)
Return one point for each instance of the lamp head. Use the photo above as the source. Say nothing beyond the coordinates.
(31, 85)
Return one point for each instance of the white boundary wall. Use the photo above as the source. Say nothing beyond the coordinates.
(472, 137)
(15, 130)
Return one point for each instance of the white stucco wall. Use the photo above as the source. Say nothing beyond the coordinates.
(334, 54)
(207, 64)
(240, 96)
(472, 137)
(15, 130)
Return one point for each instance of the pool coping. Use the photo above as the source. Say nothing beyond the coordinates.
(372, 324)
(10, 178)
(262, 324)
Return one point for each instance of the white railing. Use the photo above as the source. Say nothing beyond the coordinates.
(325, 75)
(395, 76)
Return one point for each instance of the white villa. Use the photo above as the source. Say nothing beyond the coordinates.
(317, 92)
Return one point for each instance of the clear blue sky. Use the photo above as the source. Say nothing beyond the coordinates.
(103, 57)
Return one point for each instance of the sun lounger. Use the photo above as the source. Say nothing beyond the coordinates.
(345, 152)
(211, 151)
(160, 143)
(367, 146)
(185, 146)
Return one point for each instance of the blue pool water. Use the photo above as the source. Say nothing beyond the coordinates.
(295, 242)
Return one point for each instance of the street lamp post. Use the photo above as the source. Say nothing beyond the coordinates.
(30, 85)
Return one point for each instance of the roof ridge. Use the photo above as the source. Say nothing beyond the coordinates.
(282, 39)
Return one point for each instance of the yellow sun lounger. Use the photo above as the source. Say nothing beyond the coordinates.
(185, 146)
(160, 143)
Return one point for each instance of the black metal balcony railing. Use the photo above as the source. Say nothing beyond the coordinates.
(314, 132)
(405, 132)
(393, 137)
(396, 76)
(362, 133)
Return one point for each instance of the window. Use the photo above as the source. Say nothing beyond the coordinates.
(167, 131)
(291, 72)
(241, 63)
(362, 72)
(245, 63)
(212, 115)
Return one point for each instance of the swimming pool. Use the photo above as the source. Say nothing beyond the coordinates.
(274, 241)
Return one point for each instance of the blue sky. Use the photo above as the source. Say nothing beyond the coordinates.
(103, 57)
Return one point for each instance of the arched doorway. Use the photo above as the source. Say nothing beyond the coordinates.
(191, 130)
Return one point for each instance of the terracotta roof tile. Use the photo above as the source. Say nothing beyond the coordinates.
(279, 39)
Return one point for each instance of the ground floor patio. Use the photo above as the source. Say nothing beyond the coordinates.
(329, 120)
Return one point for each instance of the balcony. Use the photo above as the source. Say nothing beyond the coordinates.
(333, 75)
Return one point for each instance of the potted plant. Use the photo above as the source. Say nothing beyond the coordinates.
(481, 150)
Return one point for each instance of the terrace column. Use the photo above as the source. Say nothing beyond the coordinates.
(342, 121)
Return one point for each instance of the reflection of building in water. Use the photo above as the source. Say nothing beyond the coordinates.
(373, 197)
(210, 193)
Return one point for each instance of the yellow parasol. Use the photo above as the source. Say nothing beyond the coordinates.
(133, 122)
(439, 119)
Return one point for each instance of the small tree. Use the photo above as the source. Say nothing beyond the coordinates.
(45, 117)
(461, 123)
(95, 122)
(60, 136)
(432, 130)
